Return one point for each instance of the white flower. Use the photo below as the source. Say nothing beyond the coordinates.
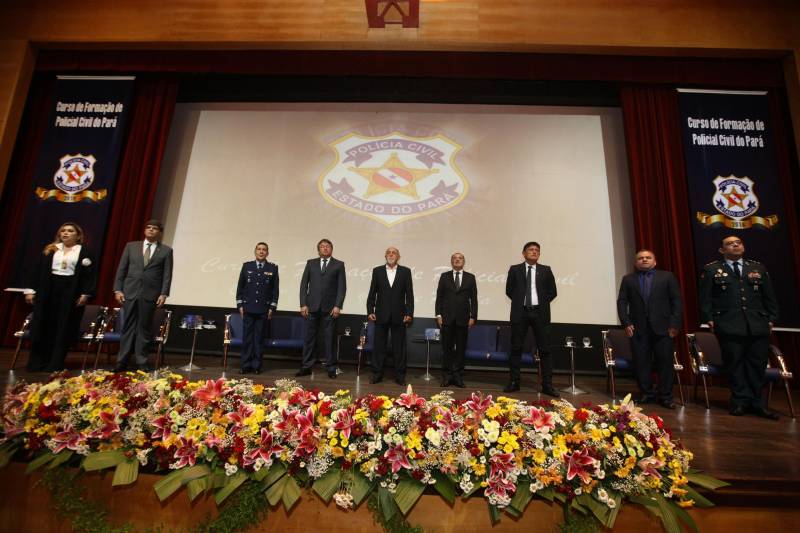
(611, 503)
(86, 262)
(343, 500)
(578, 491)
(602, 495)
(230, 469)
(433, 436)
(141, 456)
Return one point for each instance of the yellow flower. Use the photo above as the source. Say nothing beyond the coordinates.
(509, 442)
(333, 442)
(337, 451)
(414, 440)
(686, 503)
(539, 456)
(258, 388)
(494, 411)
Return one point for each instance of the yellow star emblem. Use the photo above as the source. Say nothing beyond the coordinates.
(74, 175)
(393, 176)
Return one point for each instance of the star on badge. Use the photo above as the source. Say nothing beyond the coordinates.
(734, 198)
(393, 176)
(74, 175)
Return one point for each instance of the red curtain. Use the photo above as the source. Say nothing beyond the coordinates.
(153, 107)
(15, 197)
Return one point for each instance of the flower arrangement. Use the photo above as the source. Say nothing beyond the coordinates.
(217, 435)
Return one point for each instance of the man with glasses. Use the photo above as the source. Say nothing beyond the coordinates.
(738, 303)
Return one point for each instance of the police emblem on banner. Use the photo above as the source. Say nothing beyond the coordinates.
(74, 176)
(394, 177)
(736, 201)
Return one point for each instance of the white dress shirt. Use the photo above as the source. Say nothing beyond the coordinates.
(391, 273)
(63, 263)
(153, 247)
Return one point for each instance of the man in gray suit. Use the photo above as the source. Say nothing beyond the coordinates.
(142, 283)
(322, 291)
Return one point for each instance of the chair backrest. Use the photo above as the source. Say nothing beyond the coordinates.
(707, 343)
(483, 338)
(504, 341)
(91, 319)
(619, 343)
(235, 326)
(286, 327)
(119, 320)
(162, 319)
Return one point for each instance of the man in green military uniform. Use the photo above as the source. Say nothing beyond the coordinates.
(738, 304)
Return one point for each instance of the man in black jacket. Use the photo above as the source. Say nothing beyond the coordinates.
(456, 312)
(322, 290)
(649, 307)
(531, 287)
(390, 304)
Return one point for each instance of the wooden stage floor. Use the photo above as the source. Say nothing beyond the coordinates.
(760, 457)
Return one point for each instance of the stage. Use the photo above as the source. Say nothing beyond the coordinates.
(758, 457)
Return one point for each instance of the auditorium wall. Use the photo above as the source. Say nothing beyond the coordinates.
(676, 28)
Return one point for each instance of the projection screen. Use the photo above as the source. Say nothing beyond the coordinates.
(429, 179)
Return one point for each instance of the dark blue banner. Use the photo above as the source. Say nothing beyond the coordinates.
(76, 168)
(734, 185)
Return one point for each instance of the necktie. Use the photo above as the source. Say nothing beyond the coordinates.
(647, 284)
(458, 280)
(147, 254)
(736, 269)
(324, 265)
(259, 265)
(528, 287)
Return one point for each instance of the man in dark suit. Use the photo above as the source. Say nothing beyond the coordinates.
(142, 283)
(390, 304)
(531, 287)
(456, 312)
(738, 303)
(256, 298)
(649, 307)
(322, 290)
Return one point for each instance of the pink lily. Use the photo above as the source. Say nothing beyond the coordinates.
(581, 464)
(163, 427)
(69, 439)
(265, 450)
(344, 422)
(186, 453)
(213, 391)
(110, 424)
(447, 423)
(478, 404)
(410, 400)
(498, 484)
(398, 458)
(650, 466)
(237, 417)
(540, 419)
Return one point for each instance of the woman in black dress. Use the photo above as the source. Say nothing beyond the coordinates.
(61, 284)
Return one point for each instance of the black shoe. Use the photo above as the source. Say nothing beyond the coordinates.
(445, 382)
(458, 383)
(667, 404)
(121, 367)
(244, 370)
(332, 373)
(144, 368)
(374, 379)
(550, 391)
(644, 399)
(303, 372)
(401, 382)
(513, 386)
(737, 411)
(763, 413)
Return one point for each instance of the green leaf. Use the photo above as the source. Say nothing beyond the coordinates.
(445, 487)
(167, 485)
(275, 491)
(645, 501)
(126, 473)
(361, 487)
(327, 485)
(699, 500)
(494, 514)
(291, 493)
(706, 481)
(217, 479)
(548, 493)
(276, 472)
(194, 472)
(39, 462)
(61, 458)
(598, 509)
(683, 515)
(231, 485)
(388, 507)
(577, 506)
(612, 515)
(103, 460)
(513, 512)
(560, 496)
(197, 486)
(7, 451)
(668, 518)
(407, 493)
(522, 497)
